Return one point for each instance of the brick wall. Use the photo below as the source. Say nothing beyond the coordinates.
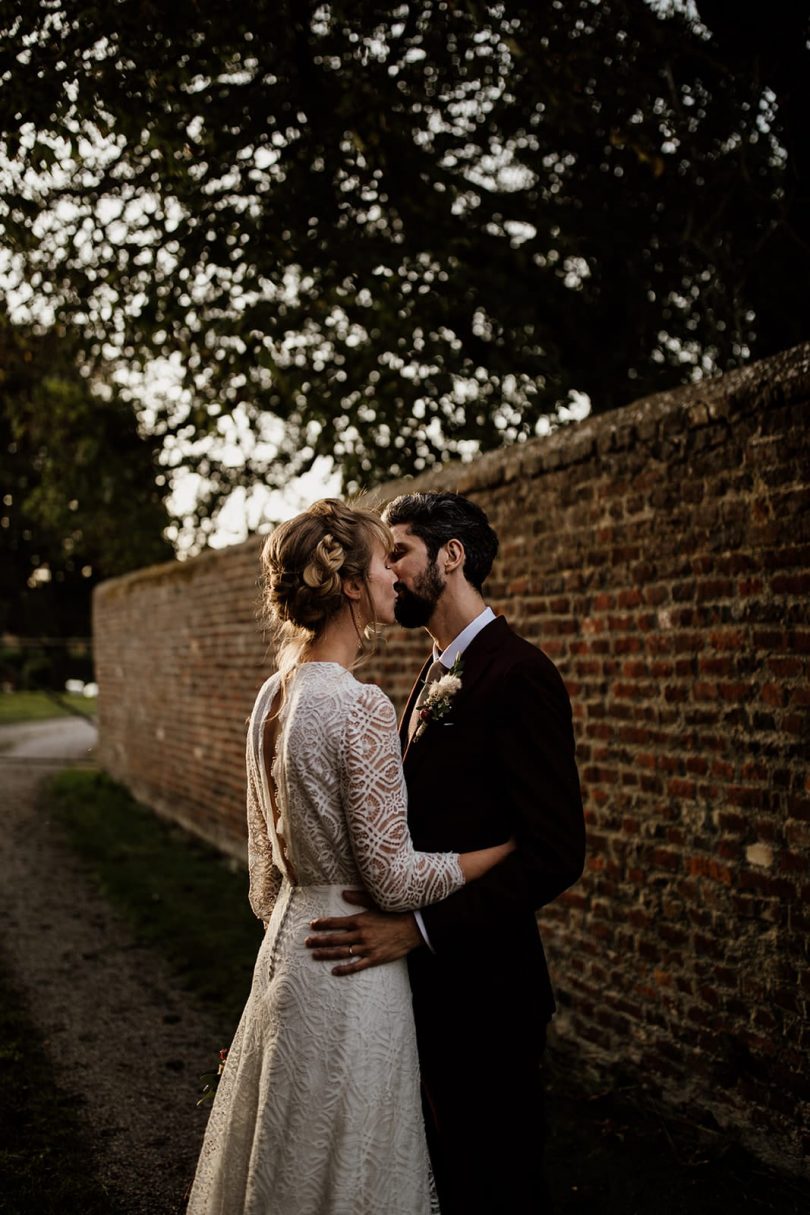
(659, 554)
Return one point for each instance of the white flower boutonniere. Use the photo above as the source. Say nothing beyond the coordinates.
(439, 698)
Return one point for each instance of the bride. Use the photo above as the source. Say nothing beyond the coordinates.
(318, 1108)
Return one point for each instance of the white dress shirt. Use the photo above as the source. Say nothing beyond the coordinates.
(447, 657)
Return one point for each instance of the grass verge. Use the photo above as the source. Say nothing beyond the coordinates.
(179, 895)
(41, 1134)
(39, 706)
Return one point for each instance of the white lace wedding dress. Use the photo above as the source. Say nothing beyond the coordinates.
(318, 1108)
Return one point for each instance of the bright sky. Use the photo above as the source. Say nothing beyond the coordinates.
(247, 511)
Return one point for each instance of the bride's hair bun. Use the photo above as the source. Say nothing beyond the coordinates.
(307, 595)
(306, 560)
(322, 574)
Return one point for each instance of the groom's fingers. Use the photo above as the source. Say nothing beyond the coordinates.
(351, 968)
(333, 932)
(381, 938)
(358, 942)
(330, 953)
(340, 923)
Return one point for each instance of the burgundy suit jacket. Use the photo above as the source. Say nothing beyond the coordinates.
(500, 764)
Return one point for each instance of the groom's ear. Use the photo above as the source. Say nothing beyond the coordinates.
(453, 556)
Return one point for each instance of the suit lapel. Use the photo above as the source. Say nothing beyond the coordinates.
(476, 659)
(406, 716)
(479, 653)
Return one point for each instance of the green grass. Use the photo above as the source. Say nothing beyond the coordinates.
(46, 1161)
(39, 706)
(179, 895)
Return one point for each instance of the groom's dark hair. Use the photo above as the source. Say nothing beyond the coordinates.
(436, 518)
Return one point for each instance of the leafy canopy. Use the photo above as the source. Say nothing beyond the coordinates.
(81, 492)
(391, 231)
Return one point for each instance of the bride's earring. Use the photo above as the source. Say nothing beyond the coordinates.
(357, 629)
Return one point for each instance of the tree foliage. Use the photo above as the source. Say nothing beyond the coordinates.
(80, 494)
(402, 229)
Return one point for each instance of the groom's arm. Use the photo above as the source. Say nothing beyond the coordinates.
(532, 750)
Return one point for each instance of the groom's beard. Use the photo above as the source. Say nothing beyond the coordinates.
(414, 608)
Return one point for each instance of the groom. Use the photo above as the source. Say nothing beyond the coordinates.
(496, 760)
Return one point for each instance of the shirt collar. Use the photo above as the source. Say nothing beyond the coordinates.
(459, 644)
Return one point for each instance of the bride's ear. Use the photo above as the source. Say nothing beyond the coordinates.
(353, 589)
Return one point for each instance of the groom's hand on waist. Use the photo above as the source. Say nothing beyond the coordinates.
(369, 938)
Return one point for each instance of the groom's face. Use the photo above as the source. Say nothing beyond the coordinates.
(419, 585)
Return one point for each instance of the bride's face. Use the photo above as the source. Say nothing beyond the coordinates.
(381, 581)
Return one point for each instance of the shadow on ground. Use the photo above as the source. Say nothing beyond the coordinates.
(619, 1153)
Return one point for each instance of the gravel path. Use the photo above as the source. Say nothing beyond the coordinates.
(121, 1034)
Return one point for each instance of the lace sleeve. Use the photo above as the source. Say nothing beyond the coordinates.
(398, 877)
(265, 878)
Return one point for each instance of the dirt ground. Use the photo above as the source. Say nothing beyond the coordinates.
(120, 1032)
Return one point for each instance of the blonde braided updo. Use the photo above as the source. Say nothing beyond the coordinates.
(304, 564)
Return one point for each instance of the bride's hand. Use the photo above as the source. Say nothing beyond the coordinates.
(476, 864)
(503, 850)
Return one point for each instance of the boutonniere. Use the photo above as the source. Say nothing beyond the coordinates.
(439, 698)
